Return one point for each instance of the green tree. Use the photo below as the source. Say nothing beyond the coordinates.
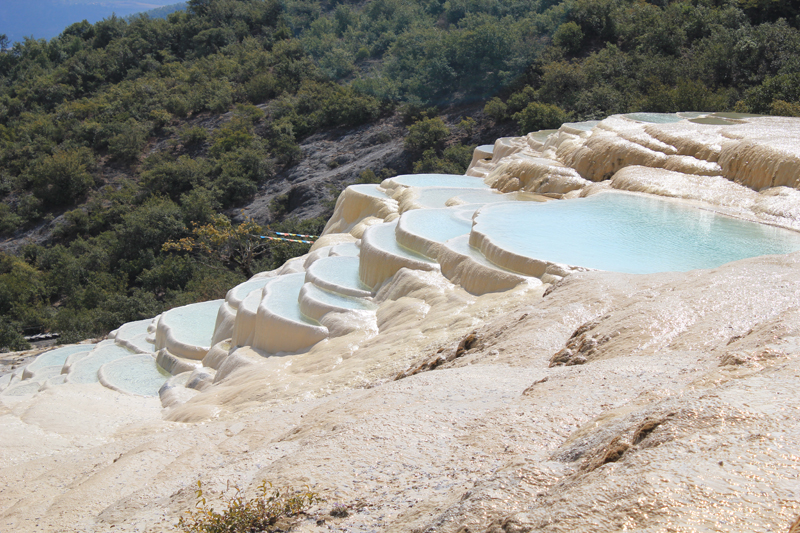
(425, 134)
(236, 247)
(64, 177)
(569, 37)
(538, 116)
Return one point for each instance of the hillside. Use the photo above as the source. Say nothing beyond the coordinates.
(121, 136)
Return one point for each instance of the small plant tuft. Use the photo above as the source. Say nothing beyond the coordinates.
(270, 511)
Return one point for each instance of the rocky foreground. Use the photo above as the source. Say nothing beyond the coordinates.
(682, 416)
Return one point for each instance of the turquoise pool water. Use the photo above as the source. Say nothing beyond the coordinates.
(338, 300)
(133, 329)
(492, 196)
(368, 189)
(655, 118)
(85, 370)
(438, 225)
(582, 126)
(347, 248)
(341, 271)
(440, 180)
(436, 197)
(58, 356)
(136, 374)
(383, 237)
(193, 324)
(243, 289)
(542, 135)
(282, 296)
(629, 233)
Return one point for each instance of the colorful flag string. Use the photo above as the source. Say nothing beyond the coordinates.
(283, 239)
(295, 235)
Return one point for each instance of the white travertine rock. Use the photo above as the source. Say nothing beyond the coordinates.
(475, 276)
(332, 239)
(534, 174)
(505, 146)
(355, 204)
(226, 322)
(711, 189)
(217, 354)
(381, 258)
(174, 364)
(481, 153)
(184, 330)
(277, 328)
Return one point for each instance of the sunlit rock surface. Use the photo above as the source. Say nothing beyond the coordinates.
(452, 357)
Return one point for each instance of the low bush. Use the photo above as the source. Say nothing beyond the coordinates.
(268, 512)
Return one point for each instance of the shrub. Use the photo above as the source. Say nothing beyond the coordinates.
(11, 339)
(784, 109)
(520, 99)
(496, 109)
(425, 134)
(368, 176)
(64, 177)
(454, 160)
(537, 116)
(127, 145)
(194, 138)
(9, 221)
(569, 37)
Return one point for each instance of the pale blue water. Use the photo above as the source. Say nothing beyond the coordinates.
(368, 189)
(133, 329)
(437, 225)
(338, 300)
(726, 114)
(542, 135)
(58, 356)
(193, 324)
(436, 197)
(628, 233)
(383, 237)
(492, 196)
(712, 121)
(282, 296)
(25, 388)
(440, 180)
(243, 289)
(136, 374)
(251, 302)
(341, 271)
(488, 148)
(348, 248)
(46, 372)
(85, 370)
(461, 245)
(586, 125)
(655, 118)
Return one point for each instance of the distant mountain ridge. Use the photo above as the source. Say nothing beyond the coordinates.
(45, 19)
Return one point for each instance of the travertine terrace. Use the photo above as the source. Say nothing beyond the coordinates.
(418, 370)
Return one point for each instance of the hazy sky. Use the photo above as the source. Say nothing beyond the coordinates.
(44, 19)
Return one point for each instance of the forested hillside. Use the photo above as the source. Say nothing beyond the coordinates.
(121, 136)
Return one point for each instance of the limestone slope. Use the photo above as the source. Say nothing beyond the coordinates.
(427, 385)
